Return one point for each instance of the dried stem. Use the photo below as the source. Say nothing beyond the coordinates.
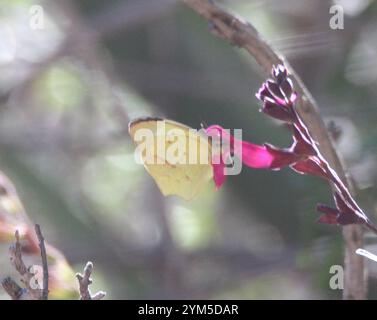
(32, 289)
(243, 34)
(44, 261)
(84, 282)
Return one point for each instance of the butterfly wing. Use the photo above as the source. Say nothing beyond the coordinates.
(180, 155)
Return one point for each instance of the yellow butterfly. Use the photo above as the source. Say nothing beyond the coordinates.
(176, 156)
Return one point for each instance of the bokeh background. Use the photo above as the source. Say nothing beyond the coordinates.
(68, 91)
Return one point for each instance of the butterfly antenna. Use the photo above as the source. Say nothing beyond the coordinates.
(203, 124)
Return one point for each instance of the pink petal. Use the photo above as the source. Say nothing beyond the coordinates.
(218, 174)
(252, 155)
(255, 156)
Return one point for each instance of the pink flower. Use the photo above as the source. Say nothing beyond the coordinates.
(252, 155)
(266, 156)
(303, 156)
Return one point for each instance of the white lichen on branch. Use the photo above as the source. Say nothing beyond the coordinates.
(85, 281)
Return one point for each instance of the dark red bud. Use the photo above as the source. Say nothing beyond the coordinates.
(301, 143)
(309, 166)
(277, 112)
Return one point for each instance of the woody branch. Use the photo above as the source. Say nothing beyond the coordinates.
(242, 34)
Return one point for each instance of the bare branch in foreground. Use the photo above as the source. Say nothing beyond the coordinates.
(44, 261)
(32, 289)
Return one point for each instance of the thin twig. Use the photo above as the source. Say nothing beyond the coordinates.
(243, 34)
(85, 281)
(44, 261)
(32, 288)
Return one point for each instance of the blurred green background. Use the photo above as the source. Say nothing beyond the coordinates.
(69, 89)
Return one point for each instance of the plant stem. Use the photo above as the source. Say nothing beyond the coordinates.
(244, 35)
(42, 247)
